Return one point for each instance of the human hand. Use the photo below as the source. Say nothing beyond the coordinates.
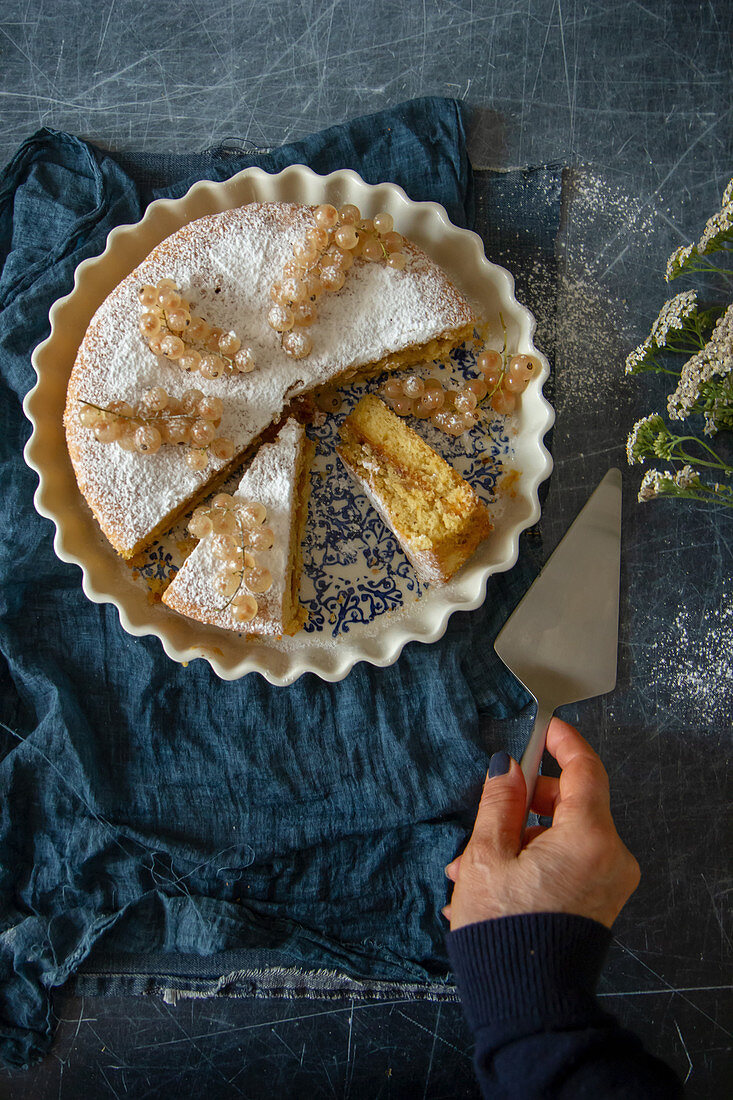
(580, 865)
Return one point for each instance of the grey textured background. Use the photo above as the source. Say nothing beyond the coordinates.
(644, 88)
(635, 97)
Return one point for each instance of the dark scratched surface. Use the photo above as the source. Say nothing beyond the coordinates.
(635, 97)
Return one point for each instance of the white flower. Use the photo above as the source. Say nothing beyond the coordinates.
(638, 356)
(642, 438)
(686, 478)
(717, 229)
(716, 358)
(673, 315)
(677, 261)
(728, 195)
(653, 485)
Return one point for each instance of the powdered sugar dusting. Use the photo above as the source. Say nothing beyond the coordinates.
(693, 674)
(225, 264)
(271, 481)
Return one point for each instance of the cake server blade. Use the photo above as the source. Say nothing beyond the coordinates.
(561, 641)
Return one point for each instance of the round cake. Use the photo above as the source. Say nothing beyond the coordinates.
(382, 318)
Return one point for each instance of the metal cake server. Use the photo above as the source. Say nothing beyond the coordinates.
(561, 641)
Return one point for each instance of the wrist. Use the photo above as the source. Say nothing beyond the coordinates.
(529, 966)
(496, 910)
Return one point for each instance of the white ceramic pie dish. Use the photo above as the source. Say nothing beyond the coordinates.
(379, 634)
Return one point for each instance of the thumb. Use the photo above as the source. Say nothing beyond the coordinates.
(501, 813)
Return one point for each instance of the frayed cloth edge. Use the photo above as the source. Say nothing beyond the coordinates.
(279, 983)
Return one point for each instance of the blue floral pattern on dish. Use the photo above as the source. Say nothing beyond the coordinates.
(354, 570)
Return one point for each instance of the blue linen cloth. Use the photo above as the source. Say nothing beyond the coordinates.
(151, 808)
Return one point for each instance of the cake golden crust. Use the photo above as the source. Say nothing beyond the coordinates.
(436, 515)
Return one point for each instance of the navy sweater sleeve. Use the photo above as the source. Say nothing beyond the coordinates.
(527, 984)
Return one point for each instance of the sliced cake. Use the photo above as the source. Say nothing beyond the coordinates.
(435, 515)
(234, 271)
(244, 574)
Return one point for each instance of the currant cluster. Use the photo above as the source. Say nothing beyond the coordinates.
(455, 411)
(236, 528)
(427, 400)
(158, 419)
(320, 263)
(171, 330)
(506, 378)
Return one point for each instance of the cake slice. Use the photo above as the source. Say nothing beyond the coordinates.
(435, 515)
(270, 506)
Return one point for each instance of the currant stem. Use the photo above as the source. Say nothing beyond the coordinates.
(145, 419)
(503, 359)
(194, 346)
(241, 571)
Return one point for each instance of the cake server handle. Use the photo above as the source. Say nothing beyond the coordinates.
(532, 755)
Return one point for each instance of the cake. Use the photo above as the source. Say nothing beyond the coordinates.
(270, 505)
(435, 515)
(381, 319)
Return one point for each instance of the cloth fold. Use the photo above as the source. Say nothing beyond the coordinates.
(146, 807)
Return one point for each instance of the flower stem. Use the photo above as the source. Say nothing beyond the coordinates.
(707, 498)
(712, 269)
(718, 465)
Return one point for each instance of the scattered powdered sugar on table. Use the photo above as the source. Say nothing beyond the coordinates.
(594, 327)
(603, 312)
(587, 317)
(596, 197)
(589, 372)
(694, 667)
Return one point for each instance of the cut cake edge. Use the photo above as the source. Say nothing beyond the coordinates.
(371, 461)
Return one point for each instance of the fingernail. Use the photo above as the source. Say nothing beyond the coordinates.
(499, 764)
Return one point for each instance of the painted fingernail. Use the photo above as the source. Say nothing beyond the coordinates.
(499, 764)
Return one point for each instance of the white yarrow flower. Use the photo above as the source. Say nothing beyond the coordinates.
(716, 358)
(728, 195)
(642, 436)
(677, 261)
(652, 485)
(686, 478)
(716, 231)
(637, 357)
(673, 315)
